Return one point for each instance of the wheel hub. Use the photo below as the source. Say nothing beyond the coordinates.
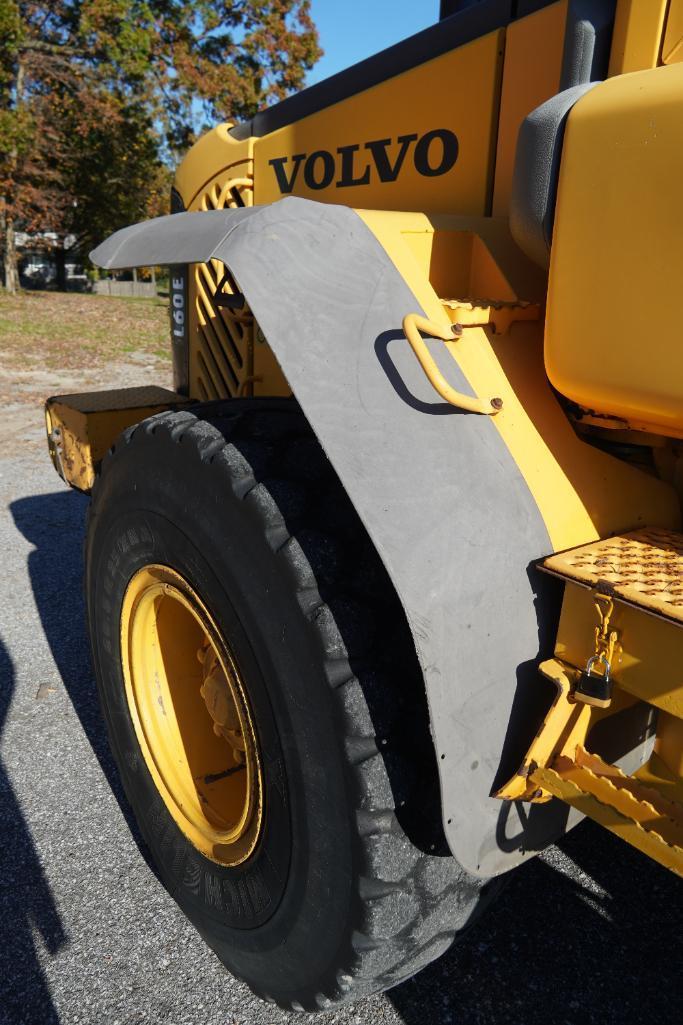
(191, 715)
(217, 694)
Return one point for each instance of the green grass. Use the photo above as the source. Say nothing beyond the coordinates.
(71, 330)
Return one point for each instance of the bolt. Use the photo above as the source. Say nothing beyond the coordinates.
(456, 329)
(497, 403)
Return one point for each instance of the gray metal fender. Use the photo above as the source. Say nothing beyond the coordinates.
(438, 491)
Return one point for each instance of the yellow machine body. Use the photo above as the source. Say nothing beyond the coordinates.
(426, 158)
(441, 151)
(612, 321)
(383, 148)
(81, 428)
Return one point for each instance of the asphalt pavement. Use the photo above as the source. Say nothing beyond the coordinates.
(589, 932)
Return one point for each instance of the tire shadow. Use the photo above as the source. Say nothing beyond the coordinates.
(583, 935)
(54, 524)
(28, 914)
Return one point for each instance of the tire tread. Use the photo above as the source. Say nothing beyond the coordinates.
(276, 467)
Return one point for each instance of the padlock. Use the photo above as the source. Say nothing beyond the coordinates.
(595, 688)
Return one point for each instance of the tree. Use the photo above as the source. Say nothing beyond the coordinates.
(108, 172)
(14, 128)
(210, 59)
(97, 95)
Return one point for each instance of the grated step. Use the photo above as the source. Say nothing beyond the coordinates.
(643, 568)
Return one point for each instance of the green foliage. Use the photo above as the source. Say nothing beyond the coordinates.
(112, 169)
(225, 59)
(10, 34)
(97, 96)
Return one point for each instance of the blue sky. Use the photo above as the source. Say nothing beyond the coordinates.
(353, 29)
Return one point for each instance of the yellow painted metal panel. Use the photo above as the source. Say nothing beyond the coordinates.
(81, 428)
(211, 155)
(650, 665)
(403, 130)
(612, 340)
(581, 492)
(672, 47)
(658, 775)
(637, 37)
(531, 75)
(669, 746)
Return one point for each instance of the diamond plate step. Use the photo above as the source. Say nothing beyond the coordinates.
(643, 568)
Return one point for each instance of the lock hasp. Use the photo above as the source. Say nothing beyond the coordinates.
(612, 339)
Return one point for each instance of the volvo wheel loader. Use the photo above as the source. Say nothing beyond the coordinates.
(388, 592)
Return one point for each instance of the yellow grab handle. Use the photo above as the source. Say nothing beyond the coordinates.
(413, 324)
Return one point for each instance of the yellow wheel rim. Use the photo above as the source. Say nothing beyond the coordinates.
(191, 715)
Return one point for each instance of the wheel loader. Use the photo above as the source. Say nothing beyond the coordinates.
(387, 593)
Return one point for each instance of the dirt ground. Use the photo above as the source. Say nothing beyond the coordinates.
(55, 342)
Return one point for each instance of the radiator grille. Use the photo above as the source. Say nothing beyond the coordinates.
(221, 340)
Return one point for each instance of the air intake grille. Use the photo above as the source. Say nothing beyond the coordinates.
(221, 340)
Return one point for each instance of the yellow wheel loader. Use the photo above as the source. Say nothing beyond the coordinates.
(388, 592)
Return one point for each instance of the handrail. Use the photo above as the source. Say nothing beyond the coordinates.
(413, 324)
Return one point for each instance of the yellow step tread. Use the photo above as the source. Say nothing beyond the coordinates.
(613, 809)
(643, 568)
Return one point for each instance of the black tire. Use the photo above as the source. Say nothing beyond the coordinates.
(351, 888)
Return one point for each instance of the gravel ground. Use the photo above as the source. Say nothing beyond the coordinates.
(87, 934)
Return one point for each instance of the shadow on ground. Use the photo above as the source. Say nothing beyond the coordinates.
(592, 948)
(55, 525)
(28, 915)
(588, 935)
